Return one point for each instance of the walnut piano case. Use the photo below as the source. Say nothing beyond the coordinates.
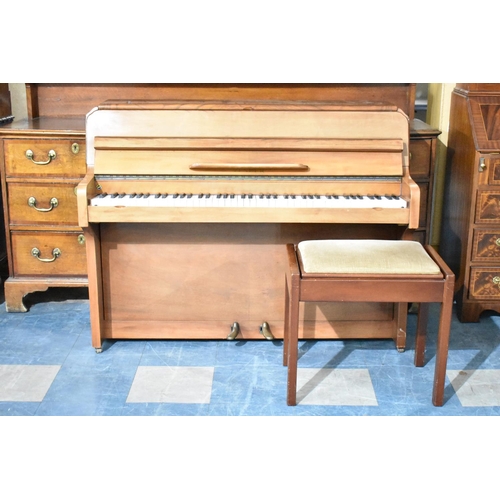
(195, 272)
(46, 247)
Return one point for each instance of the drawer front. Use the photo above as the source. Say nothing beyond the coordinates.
(493, 166)
(485, 283)
(34, 253)
(420, 157)
(42, 204)
(55, 157)
(488, 207)
(486, 246)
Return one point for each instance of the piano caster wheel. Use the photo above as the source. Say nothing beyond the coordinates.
(401, 349)
(98, 350)
(265, 330)
(235, 330)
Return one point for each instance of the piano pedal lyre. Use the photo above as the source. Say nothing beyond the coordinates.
(265, 330)
(235, 330)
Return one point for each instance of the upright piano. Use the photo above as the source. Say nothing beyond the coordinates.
(187, 206)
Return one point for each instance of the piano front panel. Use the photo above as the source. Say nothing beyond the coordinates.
(258, 162)
(213, 275)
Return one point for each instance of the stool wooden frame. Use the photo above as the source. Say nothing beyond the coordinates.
(402, 289)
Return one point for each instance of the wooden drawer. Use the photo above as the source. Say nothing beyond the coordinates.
(484, 283)
(486, 246)
(68, 162)
(420, 157)
(488, 207)
(42, 204)
(70, 262)
(493, 166)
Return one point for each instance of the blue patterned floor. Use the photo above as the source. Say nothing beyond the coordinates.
(48, 367)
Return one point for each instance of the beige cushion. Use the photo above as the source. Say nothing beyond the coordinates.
(365, 257)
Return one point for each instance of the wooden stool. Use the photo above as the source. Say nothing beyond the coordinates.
(368, 271)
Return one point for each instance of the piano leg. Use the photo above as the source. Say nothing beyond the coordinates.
(93, 247)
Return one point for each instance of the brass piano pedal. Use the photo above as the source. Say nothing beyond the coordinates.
(265, 330)
(235, 330)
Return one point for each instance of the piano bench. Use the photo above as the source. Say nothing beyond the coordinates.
(368, 271)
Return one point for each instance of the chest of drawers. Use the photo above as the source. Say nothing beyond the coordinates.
(470, 240)
(40, 171)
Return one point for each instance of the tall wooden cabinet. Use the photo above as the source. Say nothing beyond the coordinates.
(470, 241)
(43, 158)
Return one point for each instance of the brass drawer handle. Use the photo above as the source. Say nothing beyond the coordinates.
(53, 204)
(51, 154)
(497, 242)
(496, 280)
(55, 253)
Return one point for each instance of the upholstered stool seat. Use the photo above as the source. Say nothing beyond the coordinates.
(368, 271)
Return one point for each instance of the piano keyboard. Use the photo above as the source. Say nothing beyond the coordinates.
(246, 201)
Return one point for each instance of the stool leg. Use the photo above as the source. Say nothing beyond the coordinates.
(401, 311)
(286, 323)
(293, 346)
(422, 319)
(442, 343)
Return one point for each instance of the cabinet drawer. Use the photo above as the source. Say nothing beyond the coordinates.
(420, 157)
(484, 283)
(42, 204)
(67, 162)
(488, 207)
(26, 245)
(486, 246)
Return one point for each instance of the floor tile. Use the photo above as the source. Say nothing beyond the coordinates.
(476, 387)
(326, 386)
(171, 384)
(26, 382)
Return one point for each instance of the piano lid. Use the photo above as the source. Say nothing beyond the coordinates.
(245, 119)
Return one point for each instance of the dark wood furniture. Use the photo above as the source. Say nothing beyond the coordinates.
(470, 241)
(56, 121)
(329, 282)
